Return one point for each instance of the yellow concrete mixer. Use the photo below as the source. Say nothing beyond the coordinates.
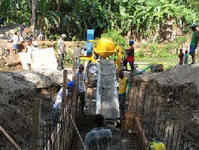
(105, 47)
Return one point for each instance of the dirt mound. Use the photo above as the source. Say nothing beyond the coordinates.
(18, 90)
(180, 75)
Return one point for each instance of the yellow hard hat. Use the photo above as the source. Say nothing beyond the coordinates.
(105, 47)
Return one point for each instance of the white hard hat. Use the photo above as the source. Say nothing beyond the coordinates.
(35, 43)
(63, 35)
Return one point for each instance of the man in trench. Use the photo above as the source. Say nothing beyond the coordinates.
(98, 138)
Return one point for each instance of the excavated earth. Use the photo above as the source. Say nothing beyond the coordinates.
(18, 91)
(173, 95)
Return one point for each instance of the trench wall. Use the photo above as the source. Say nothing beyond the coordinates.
(166, 112)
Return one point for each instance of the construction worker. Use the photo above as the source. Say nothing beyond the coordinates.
(57, 105)
(81, 78)
(98, 138)
(156, 145)
(194, 42)
(122, 92)
(15, 40)
(61, 51)
(130, 55)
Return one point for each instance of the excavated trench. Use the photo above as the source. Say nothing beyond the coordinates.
(164, 106)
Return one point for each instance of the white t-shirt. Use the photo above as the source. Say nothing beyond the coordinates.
(59, 98)
(61, 46)
(15, 39)
(29, 54)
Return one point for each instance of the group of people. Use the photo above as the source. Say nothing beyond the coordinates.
(19, 37)
(193, 47)
(62, 52)
(70, 85)
(16, 39)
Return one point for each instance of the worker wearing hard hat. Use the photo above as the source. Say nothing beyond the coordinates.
(57, 105)
(156, 145)
(69, 86)
(61, 51)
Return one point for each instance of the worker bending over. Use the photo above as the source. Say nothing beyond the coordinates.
(57, 105)
(98, 138)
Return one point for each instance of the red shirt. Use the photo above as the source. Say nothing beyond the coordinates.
(130, 56)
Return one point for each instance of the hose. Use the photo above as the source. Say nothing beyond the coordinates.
(134, 74)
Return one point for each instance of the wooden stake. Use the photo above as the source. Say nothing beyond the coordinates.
(36, 123)
(65, 73)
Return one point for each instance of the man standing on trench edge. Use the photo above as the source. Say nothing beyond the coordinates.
(61, 51)
(194, 42)
(130, 55)
(81, 78)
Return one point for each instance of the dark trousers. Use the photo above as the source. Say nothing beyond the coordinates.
(122, 99)
(125, 64)
(60, 63)
(82, 101)
(132, 65)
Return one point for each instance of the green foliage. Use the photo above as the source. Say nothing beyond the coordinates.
(69, 58)
(162, 50)
(112, 57)
(140, 53)
(53, 37)
(74, 17)
(116, 37)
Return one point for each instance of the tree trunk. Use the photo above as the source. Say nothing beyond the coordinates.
(59, 3)
(33, 19)
(29, 4)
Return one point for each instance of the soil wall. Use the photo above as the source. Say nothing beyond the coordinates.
(167, 106)
(18, 91)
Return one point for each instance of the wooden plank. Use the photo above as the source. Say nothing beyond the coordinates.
(64, 102)
(9, 138)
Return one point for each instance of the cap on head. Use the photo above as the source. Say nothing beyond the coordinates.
(63, 35)
(70, 84)
(131, 42)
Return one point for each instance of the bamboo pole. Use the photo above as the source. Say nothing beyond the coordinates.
(9, 138)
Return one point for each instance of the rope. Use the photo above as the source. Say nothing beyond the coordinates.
(77, 131)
